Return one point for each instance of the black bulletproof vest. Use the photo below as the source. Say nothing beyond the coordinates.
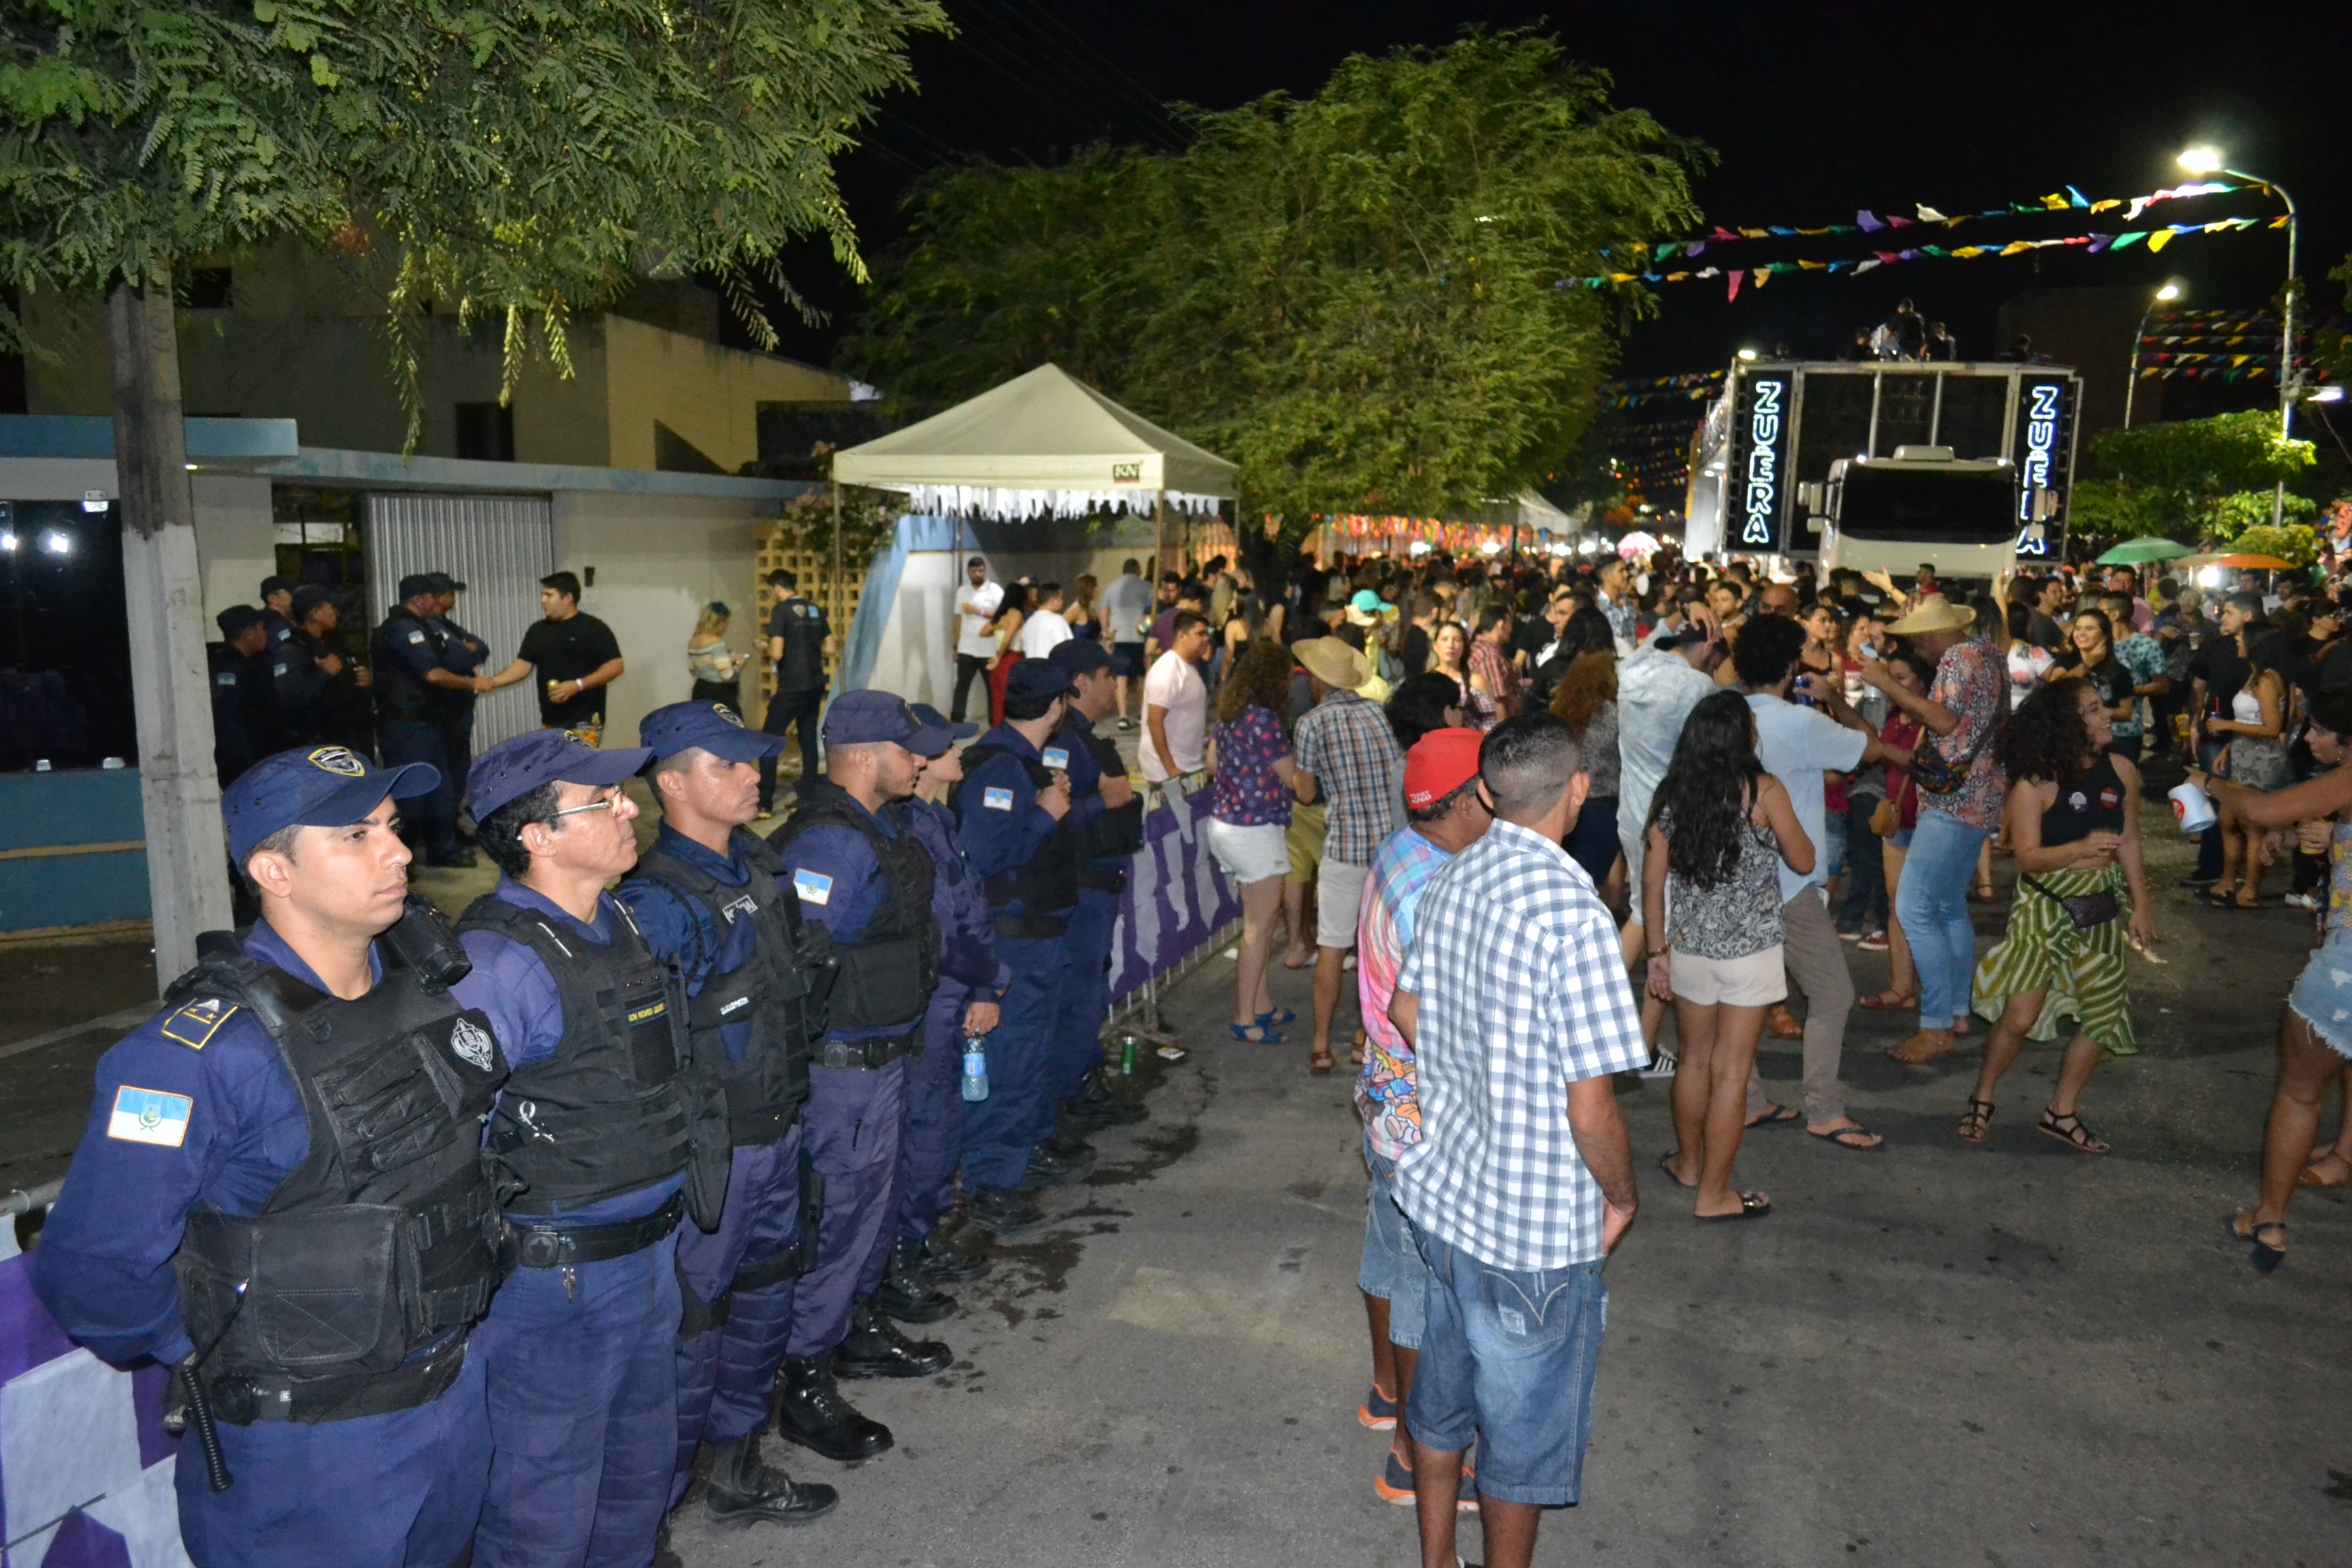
(617, 1108)
(399, 695)
(778, 991)
(384, 1239)
(889, 974)
(1047, 884)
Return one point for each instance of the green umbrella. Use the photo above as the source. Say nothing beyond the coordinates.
(2132, 551)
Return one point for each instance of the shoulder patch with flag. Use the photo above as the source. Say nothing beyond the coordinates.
(996, 799)
(813, 887)
(149, 1116)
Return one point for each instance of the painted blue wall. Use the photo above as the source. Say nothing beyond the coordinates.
(83, 806)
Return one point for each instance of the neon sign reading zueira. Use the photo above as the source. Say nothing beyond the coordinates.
(2033, 471)
(1763, 462)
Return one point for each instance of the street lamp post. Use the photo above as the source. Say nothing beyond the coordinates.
(2164, 295)
(2207, 161)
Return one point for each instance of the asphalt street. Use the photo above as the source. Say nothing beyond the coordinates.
(1931, 1356)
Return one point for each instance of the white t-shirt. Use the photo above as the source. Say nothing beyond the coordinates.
(1174, 684)
(1041, 634)
(974, 606)
(1797, 745)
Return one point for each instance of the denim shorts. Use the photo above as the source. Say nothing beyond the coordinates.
(1508, 1357)
(1392, 1269)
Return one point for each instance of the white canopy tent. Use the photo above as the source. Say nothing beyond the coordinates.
(1042, 445)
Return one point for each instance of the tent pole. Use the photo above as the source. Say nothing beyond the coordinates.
(1160, 530)
(839, 598)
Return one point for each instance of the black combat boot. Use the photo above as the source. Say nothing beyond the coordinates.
(812, 1413)
(1006, 1211)
(944, 1263)
(1095, 1107)
(1052, 1167)
(907, 1292)
(876, 1348)
(742, 1490)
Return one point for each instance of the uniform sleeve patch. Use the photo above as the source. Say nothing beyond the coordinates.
(195, 1024)
(149, 1116)
(813, 887)
(225, 678)
(417, 636)
(996, 799)
(1054, 757)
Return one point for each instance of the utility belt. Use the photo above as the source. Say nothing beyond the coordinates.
(1025, 927)
(241, 1399)
(868, 1056)
(549, 1247)
(1111, 880)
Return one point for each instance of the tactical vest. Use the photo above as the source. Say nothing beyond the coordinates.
(1111, 836)
(887, 975)
(778, 990)
(966, 953)
(401, 697)
(1046, 886)
(619, 1107)
(349, 1293)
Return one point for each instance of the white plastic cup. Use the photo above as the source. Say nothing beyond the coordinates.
(2193, 808)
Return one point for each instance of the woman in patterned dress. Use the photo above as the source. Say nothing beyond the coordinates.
(2073, 823)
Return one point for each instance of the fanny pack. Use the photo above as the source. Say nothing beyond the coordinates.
(2088, 911)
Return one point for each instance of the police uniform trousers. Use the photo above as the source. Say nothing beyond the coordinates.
(932, 1142)
(998, 1131)
(727, 1374)
(786, 711)
(582, 1366)
(1085, 997)
(850, 1127)
(405, 741)
(457, 740)
(401, 1490)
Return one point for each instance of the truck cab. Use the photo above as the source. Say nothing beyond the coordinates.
(1923, 504)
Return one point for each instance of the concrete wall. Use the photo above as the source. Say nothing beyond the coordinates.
(709, 395)
(235, 540)
(658, 560)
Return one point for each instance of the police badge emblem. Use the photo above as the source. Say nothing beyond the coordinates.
(340, 760)
(472, 1043)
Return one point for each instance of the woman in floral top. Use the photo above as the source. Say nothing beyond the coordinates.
(1248, 802)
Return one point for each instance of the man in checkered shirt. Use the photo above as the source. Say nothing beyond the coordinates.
(1345, 755)
(1515, 1000)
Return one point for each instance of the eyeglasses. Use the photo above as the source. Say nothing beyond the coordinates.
(602, 802)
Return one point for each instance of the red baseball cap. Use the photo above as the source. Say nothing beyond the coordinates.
(1439, 763)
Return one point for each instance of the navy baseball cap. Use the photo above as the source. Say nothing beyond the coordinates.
(712, 726)
(1077, 657)
(1037, 680)
(274, 585)
(939, 732)
(415, 583)
(870, 718)
(327, 787)
(512, 769)
(309, 598)
(235, 619)
(443, 584)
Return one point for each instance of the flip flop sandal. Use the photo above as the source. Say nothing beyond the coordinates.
(2077, 1137)
(1844, 1137)
(2311, 1178)
(1877, 1002)
(1752, 1205)
(1976, 1122)
(1257, 1035)
(1783, 1025)
(1319, 1063)
(1279, 1016)
(1775, 1116)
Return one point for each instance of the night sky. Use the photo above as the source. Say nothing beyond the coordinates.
(1815, 109)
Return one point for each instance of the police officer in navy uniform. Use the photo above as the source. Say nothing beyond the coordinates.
(1107, 820)
(712, 897)
(318, 691)
(799, 641)
(246, 727)
(1011, 813)
(277, 611)
(860, 874)
(413, 692)
(604, 1136)
(972, 983)
(462, 653)
(280, 1196)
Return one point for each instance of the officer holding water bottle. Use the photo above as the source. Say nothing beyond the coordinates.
(952, 1069)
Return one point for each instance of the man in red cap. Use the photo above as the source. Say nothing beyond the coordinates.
(1444, 814)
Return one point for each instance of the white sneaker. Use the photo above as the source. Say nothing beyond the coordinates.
(2303, 901)
(1661, 1066)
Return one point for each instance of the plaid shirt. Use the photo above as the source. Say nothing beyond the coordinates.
(1346, 743)
(1494, 662)
(1522, 991)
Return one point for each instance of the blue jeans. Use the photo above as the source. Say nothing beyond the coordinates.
(1508, 1357)
(1933, 904)
(1392, 1267)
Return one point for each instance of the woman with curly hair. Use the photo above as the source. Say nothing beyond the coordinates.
(1249, 800)
(1586, 702)
(2073, 824)
(1720, 827)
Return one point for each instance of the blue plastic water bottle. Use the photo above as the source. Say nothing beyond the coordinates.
(975, 1069)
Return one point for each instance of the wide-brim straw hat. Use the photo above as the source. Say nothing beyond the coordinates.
(1332, 662)
(1934, 614)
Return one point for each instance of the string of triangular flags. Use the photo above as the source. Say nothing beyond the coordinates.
(1764, 272)
(1694, 387)
(1867, 221)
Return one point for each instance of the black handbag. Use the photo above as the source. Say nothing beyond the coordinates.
(2088, 911)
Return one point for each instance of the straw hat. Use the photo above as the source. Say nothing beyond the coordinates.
(1332, 662)
(1934, 614)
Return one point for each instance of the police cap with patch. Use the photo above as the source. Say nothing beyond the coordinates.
(709, 726)
(870, 718)
(326, 786)
(512, 769)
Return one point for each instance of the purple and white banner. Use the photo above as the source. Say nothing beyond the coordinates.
(1177, 896)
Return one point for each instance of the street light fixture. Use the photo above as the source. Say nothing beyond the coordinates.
(2324, 395)
(1747, 354)
(2163, 295)
(2202, 160)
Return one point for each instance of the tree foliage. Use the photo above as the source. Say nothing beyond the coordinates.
(522, 160)
(1359, 298)
(2296, 543)
(2177, 479)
